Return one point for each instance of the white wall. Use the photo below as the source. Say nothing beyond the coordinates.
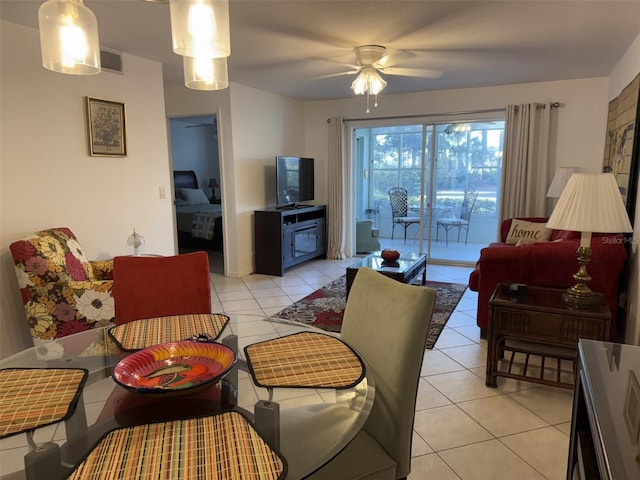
(47, 177)
(253, 127)
(264, 125)
(625, 71)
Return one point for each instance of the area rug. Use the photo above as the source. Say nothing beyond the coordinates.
(324, 307)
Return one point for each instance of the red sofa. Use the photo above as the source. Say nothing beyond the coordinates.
(548, 264)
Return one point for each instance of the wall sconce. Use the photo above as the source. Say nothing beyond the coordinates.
(205, 73)
(589, 203)
(69, 37)
(200, 28)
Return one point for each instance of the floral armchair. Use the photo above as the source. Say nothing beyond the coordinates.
(62, 291)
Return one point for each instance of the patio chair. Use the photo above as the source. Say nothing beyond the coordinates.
(461, 221)
(399, 210)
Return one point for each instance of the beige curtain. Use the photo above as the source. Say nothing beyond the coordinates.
(525, 160)
(336, 220)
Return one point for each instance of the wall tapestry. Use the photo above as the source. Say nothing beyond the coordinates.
(622, 143)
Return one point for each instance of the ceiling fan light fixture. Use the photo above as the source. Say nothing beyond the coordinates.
(205, 73)
(200, 28)
(370, 82)
(69, 37)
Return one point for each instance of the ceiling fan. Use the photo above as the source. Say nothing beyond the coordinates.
(371, 61)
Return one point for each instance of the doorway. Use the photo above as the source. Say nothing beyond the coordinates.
(195, 147)
(451, 172)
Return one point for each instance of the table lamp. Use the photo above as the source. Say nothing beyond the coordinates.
(589, 203)
(136, 241)
(560, 179)
(213, 184)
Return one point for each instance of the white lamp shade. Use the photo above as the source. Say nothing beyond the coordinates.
(368, 80)
(562, 176)
(69, 37)
(200, 28)
(591, 203)
(205, 73)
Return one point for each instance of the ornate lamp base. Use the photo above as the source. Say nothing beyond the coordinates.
(580, 296)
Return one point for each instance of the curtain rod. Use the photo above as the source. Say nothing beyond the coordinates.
(468, 112)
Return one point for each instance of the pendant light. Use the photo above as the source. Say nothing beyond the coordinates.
(205, 73)
(69, 37)
(200, 28)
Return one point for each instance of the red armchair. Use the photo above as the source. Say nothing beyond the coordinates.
(548, 264)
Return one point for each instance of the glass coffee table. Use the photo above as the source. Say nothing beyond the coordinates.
(406, 269)
(308, 426)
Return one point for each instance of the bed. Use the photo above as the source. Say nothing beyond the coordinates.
(198, 221)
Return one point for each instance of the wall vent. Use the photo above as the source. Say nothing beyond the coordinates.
(111, 60)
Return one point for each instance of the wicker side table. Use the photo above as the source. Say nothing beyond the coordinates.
(539, 323)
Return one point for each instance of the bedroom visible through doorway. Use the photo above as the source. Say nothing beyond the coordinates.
(196, 167)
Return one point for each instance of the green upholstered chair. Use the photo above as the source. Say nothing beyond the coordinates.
(386, 322)
(62, 291)
(367, 237)
(155, 286)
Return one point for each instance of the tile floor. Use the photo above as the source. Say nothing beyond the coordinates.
(463, 429)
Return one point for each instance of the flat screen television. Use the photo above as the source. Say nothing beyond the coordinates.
(294, 180)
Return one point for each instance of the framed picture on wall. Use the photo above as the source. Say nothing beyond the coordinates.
(622, 143)
(106, 127)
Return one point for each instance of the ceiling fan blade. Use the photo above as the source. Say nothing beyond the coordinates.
(339, 74)
(395, 57)
(412, 72)
(335, 62)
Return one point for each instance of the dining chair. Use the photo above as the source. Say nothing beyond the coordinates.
(398, 198)
(154, 286)
(386, 322)
(461, 221)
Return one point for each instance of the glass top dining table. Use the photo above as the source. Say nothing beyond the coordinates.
(313, 424)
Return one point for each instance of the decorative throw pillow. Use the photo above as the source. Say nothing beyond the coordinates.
(194, 196)
(523, 232)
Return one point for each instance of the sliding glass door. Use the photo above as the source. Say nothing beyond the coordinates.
(451, 173)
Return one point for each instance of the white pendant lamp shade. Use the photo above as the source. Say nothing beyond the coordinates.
(200, 28)
(69, 37)
(205, 73)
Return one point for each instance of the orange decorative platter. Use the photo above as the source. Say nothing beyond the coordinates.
(177, 368)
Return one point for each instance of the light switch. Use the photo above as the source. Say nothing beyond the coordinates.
(163, 193)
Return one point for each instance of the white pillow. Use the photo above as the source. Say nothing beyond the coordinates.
(523, 232)
(194, 196)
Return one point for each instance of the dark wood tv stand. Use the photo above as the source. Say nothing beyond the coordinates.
(285, 237)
